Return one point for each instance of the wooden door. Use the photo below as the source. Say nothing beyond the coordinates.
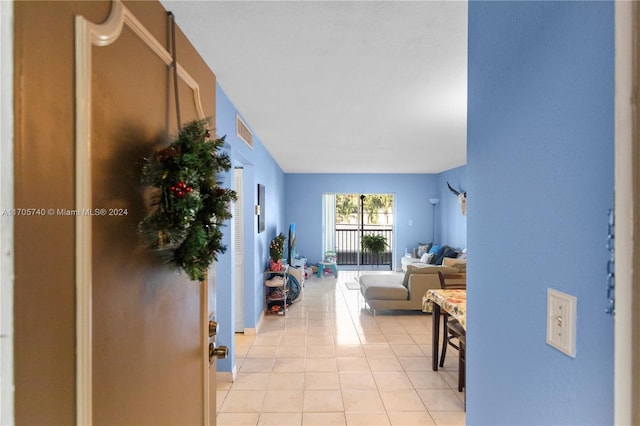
(139, 323)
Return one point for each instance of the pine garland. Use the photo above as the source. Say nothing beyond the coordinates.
(189, 204)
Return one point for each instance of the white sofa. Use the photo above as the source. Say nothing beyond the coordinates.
(404, 291)
(415, 261)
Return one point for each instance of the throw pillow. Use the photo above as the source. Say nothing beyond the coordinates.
(446, 252)
(437, 255)
(423, 248)
(449, 252)
(426, 258)
(413, 269)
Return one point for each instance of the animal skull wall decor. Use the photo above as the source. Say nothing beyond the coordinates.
(462, 199)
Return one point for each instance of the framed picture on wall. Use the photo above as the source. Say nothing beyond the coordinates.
(261, 206)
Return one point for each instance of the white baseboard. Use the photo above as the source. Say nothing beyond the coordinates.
(227, 376)
(254, 331)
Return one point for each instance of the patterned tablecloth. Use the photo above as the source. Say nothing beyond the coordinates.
(452, 301)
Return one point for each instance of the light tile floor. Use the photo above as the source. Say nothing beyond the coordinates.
(329, 362)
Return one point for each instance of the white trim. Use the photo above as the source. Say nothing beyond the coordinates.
(204, 337)
(89, 34)
(254, 331)
(625, 61)
(227, 376)
(84, 387)
(6, 221)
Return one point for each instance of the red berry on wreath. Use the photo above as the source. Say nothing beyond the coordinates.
(189, 189)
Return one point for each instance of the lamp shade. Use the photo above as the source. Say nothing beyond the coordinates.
(434, 201)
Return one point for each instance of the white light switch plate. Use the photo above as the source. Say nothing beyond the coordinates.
(561, 321)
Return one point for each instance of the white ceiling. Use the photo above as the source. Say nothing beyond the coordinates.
(341, 86)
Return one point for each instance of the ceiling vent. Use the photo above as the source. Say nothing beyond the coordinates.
(243, 132)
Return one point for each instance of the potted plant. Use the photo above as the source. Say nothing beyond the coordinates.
(375, 244)
(276, 250)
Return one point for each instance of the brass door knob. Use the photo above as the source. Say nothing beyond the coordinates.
(220, 352)
(213, 328)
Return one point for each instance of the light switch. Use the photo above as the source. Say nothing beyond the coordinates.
(561, 321)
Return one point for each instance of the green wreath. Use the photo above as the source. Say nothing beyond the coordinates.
(189, 204)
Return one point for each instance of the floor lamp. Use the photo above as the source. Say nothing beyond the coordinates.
(434, 202)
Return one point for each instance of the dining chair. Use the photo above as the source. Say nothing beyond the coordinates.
(462, 367)
(453, 329)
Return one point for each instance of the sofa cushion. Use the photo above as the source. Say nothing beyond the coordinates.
(383, 287)
(426, 269)
(461, 267)
(415, 269)
(448, 261)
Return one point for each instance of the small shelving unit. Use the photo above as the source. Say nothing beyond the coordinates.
(276, 291)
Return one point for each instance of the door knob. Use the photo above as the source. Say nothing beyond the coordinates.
(213, 328)
(220, 352)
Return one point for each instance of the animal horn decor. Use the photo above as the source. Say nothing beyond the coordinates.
(462, 198)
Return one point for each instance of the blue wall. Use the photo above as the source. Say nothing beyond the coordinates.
(259, 167)
(540, 183)
(411, 193)
(451, 224)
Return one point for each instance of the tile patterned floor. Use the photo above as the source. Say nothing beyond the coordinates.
(329, 362)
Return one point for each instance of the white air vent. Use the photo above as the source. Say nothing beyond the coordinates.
(243, 132)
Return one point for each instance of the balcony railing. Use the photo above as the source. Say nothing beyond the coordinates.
(348, 239)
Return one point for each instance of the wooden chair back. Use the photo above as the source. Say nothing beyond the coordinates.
(453, 281)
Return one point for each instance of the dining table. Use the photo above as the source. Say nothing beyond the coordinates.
(454, 302)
